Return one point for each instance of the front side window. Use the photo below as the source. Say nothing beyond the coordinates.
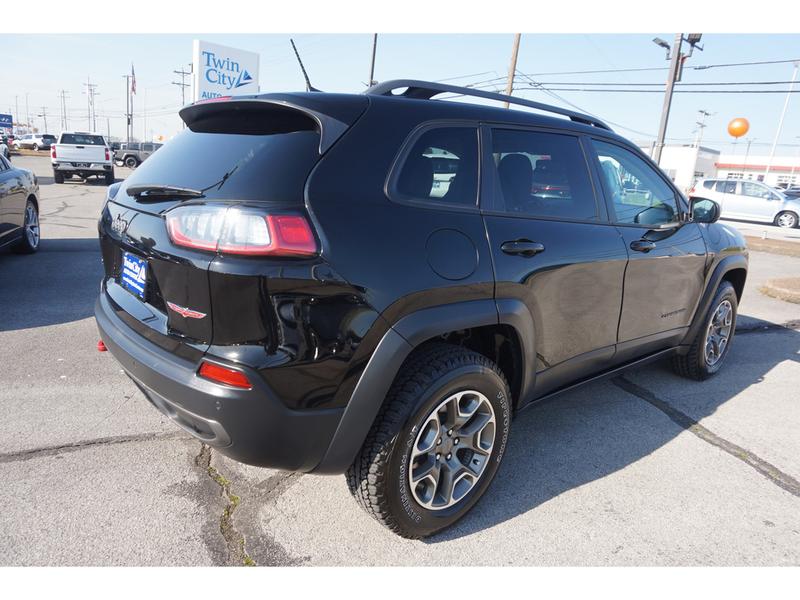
(442, 166)
(638, 193)
(542, 175)
(756, 190)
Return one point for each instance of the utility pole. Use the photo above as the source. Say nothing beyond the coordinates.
(512, 69)
(780, 122)
(16, 114)
(676, 59)
(372, 62)
(91, 92)
(44, 116)
(127, 107)
(183, 85)
(701, 125)
(27, 114)
(63, 96)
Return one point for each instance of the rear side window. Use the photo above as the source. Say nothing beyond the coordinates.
(442, 167)
(708, 184)
(542, 174)
(726, 187)
(83, 139)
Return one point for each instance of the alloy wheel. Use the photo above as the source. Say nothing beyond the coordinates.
(718, 333)
(452, 449)
(787, 220)
(32, 225)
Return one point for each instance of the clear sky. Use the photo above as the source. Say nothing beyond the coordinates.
(42, 65)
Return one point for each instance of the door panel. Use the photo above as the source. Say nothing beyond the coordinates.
(665, 272)
(552, 250)
(756, 201)
(662, 285)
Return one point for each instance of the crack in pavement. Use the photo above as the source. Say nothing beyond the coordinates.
(245, 542)
(234, 541)
(764, 468)
(7, 457)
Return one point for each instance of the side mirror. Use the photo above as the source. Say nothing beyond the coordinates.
(704, 210)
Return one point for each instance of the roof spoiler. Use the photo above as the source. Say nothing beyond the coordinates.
(204, 116)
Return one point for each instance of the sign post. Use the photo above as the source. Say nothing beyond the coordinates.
(222, 71)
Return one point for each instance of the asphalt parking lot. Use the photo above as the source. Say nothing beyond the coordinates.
(644, 469)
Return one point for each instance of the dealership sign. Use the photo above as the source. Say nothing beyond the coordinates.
(222, 71)
(6, 122)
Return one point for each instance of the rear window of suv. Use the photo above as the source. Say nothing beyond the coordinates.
(270, 166)
(82, 139)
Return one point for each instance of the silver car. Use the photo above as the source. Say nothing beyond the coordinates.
(749, 201)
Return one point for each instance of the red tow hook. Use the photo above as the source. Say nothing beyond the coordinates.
(101, 347)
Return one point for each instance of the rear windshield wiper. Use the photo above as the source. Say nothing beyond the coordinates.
(152, 190)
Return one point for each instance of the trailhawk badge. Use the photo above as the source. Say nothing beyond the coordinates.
(187, 313)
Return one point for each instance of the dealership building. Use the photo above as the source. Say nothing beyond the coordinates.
(687, 163)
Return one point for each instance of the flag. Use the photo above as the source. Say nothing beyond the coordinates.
(133, 80)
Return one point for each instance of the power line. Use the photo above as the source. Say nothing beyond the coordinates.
(624, 91)
(677, 84)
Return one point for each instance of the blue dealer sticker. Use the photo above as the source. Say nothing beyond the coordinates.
(134, 274)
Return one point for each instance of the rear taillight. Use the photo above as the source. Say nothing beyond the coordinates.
(53, 151)
(236, 230)
(107, 156)
(223, 375)
(691, 191)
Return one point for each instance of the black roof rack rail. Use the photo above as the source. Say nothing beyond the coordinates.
(426, 90)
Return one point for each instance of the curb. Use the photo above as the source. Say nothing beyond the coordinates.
(787, 289)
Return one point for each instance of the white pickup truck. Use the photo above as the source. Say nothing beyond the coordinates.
(82, 154)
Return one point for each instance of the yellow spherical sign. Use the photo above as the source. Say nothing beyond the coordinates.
(738, 127)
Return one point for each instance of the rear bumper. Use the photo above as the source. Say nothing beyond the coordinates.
(251, 426)
(90, 168)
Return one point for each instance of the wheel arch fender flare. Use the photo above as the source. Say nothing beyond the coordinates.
(726, 265)
(395, 346)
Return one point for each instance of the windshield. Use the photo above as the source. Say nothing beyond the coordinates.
(82, 139)
(233, 166)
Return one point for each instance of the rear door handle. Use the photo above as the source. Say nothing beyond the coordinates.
(643, 245)
(522, 247)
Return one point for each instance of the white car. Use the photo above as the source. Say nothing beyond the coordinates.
(749, 201)
(83, 154)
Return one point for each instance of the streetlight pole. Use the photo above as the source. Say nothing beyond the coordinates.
(672, 77)
(780, 122)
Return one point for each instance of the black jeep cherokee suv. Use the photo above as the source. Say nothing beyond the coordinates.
(375, 283)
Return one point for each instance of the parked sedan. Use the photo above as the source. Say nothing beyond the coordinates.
(750, 201)
(19, 208)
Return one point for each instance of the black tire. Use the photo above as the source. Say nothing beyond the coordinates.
(786, 219)
(131, 162)
(36, 147)
(58, 177)
(110, 177)
(694, 364)
(28, 244)
(378, 478)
